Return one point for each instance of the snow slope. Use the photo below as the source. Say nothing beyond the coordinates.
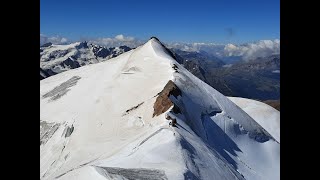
(97, 123)
(267, 116)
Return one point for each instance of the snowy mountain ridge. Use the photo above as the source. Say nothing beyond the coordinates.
(111, 121)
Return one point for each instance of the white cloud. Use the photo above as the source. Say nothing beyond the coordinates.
(118, 40)
(53, 39)
(249, 51)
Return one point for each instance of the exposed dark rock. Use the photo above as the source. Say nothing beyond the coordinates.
(50, 72)
(43, 74)
(70, 63)
(69, 131)
(103, 52)
(46, 44)
(176, 109)
(57, 54)
(131, 109)
(82, 45)
(175, 67)
(173, 120)
(273, 103)
(125, 48)
(163, 103)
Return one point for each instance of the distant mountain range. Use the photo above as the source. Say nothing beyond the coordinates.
(255, 79)
(55, 59)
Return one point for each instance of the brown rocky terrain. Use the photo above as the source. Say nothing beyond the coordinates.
(163, 103)
(274, 103)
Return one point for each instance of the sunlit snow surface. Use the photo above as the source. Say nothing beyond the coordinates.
(214, 138)
(267, 116)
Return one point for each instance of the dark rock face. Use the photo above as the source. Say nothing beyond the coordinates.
(273, 103)
(101, 52)
(69, 131)
(57, 54)
(125, 48)
(82, 45)
(163, 103)
(46, 44)
(70, 63)
(131, 109)
(43, 74)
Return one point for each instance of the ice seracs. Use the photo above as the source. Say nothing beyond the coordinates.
(116, 132)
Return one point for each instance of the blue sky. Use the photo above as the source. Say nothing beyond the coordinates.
(223, 21)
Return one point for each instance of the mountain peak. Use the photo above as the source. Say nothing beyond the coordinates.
(154, 39)
(117, 113)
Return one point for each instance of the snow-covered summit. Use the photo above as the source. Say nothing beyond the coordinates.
(111, 121)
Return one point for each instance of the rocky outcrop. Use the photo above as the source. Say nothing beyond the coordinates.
(163, 102)
(72, 64)
(46, 44)
(273, 103)
(83, 45)
(43, 74)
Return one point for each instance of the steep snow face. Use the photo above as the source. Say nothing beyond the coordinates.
(97, 123)
(230, 132)
(265, 115)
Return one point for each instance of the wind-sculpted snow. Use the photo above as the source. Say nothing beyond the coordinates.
(62, 89)
(47, 130)
(133, 173)
(110, 131)
(265, 115)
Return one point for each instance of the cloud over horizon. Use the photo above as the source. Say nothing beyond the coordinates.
(249, 51)
(53, 39)
(118, 40)
(246, 51)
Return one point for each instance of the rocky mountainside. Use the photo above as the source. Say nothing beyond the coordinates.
(55, 59)
(273, 103)
(255, 79)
